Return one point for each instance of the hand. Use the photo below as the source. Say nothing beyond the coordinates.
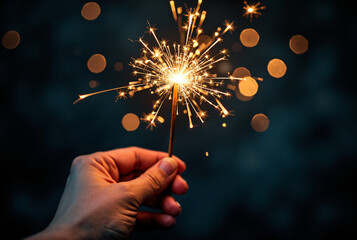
(105, 190)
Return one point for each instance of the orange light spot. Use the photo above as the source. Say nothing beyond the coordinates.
(224, 125)
(241, 72)
(242, 97)
(298, 44)
(90, 11)
(93, 84)
(249, 37)
(118, 66)
(260, 123)
(160, 119)
(277, 68)
(248, 87)
(97, 63)
(11, 39)
(207, 154)
(130, 122)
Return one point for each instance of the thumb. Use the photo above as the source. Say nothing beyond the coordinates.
(155, 180)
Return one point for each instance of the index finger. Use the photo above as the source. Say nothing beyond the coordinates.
(138, 159)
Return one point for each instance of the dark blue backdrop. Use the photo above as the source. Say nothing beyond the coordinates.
(294, 181)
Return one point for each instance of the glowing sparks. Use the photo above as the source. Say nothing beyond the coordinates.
(252, 10)
(187, 65)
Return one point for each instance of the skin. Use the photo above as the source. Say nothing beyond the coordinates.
(105, 190)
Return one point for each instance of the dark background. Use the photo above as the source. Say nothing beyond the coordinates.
(295, 181)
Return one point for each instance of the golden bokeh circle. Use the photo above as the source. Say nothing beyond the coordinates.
(241, 97)
(97, 63)
(277, 68)
(90, 11)
(260, 122)
(249, 37)
(298, 44)
(241, 72)
(11, 39)
(130, 122)
(248, 87)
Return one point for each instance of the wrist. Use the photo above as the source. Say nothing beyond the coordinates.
(58, 233)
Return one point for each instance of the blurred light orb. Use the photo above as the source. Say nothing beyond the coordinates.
(241, 72)
(237, 47)
(90, 11)
(118, 66)
(224, 67)
(93, 84)
(248, 87)
(277, 68)
(241, 97)
(11, 39)
(97, 63)
(298, 44)
(224, 125)
(260, 123)
(249, 37)
(130, 122)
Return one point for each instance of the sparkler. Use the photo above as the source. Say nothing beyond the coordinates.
(179, 72)
(252, 10)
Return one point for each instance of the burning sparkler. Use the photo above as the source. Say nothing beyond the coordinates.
(252, 10)
(179, 72)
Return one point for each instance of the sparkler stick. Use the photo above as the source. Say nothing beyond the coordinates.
(173, 119)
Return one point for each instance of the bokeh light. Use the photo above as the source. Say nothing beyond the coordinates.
(249, 37)
(118, 66)
(11, 39)
(130, 122)
(241, 72)
(277, 68)
(97, 63)
(93, 84)
(90, 11)
(298, 44)
(248, 87)
(260, 122)
(241, 97)
(224, 67)
(237, 47)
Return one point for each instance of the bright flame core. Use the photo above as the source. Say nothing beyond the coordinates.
(179, 78)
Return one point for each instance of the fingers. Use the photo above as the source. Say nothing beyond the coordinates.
(170, 206)
(179, 186)
(151, 220)
(138, 159)
(166, 203)
(155, 180)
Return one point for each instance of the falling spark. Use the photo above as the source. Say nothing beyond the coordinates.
(252, 10)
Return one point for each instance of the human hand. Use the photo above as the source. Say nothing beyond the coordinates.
(104, 191)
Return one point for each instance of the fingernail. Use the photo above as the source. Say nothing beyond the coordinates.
(178, 204)
(168, 165)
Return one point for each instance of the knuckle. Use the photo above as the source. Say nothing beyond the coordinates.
(154, 182)
(82, 160)
(78, 161)
(128, 195)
